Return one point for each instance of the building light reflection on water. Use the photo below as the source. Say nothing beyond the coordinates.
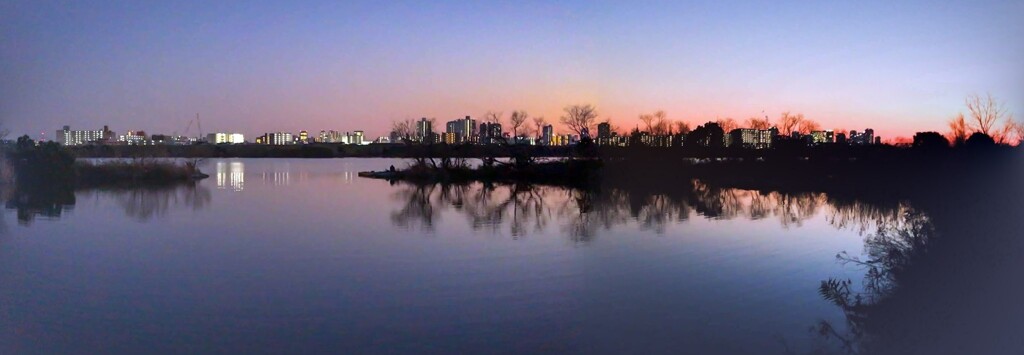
(231, 175)
(279, 178)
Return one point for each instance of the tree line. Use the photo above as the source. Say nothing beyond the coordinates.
(985, 115)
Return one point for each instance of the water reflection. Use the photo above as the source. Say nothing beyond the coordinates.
(934, 274)
(583, 213)
(277, 178)
(889, 250)
(941, 281)
(32, 201)
(895, 233)
(231, 175)
(140, 203)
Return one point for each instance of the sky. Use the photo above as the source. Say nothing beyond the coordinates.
(254, 67)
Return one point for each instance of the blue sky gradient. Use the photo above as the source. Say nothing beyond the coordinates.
(256, 67)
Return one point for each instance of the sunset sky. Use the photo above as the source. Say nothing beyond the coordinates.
(255, 67)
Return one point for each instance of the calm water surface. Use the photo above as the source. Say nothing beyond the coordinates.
(302, 256)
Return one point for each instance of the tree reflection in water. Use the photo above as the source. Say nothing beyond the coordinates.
(31, 201)
(141, 203)
(522, 208)
(897, 241)
(895, 233)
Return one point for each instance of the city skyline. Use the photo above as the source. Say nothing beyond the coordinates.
(272, 67)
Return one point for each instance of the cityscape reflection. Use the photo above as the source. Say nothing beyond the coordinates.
(231, 175)
(277, 178)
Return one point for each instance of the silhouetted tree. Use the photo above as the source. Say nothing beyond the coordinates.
(4, 132)
(47, 162)
(807, 126)
(985, 112)
(979, 140)
(1011, 132)
(958, 129)
(579, 118)
(661, 123)
(648, 121)
(493, 116)
(25, 142)
(681, 127)
(727, 124)
(789, 122)
(516, 121)
(539, 123)
(759, 123)
(1020, 133)
(709, 135)
(930, 141)
(403, 129)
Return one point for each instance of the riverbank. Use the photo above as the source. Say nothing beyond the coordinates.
(143, 172)
(51, 165)
(907, 174)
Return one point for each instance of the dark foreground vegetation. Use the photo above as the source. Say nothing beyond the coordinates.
(942, 231)
(837, 169)
(51, 165)
(943, 252)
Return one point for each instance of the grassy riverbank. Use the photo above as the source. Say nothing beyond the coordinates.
(52, 165)
(135, 172)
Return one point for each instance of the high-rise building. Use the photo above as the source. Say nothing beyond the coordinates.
(564, 139)
(277, 138)
(864, 138)
(840, 138)
(490, 133)
(331, 136)
(604, 133)
(424, 131)
(69, 137)
(356, 138)
(821, 137)
(303, 136)
(462, 130)
(229, 138)
(134, 138)
(651, 140)
(752, 138)
(547, 134)
(449, 138)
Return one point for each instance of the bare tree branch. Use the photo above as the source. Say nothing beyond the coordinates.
(493, 117)
(539, 123)
(579, 118)
(727, 124)
(759, 123)
(648, 122)
(985, 113)
(808, 126)
(517, 120)
(681, 127)
(789, 122)
(403, 129)
(661, 124)
(958, 129)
